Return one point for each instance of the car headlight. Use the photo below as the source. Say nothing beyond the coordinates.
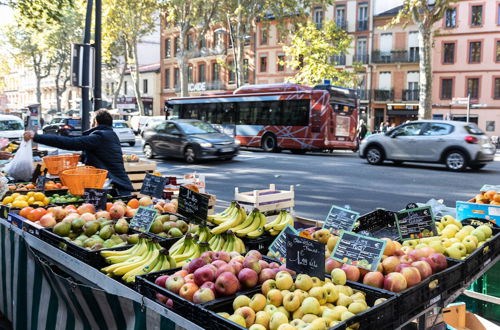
(236, 141)
(206, 145)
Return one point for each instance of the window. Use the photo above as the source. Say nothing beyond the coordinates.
(449, 53)
(263, 63)
(473, 87)
(413, 48)
(436, 129)
(475, 52)
(446, 89)
(413, 78)
(218, 39)
(409, 130)
(496, 88)
(167, 78)
(168, 50)
(189, 42)
(202, 42)
(363, 17)
(232, 73)
(201, 73)
(361, 51)
(385, 80)
(476, 15)
(318, 16)
(125, 89)
(450, 17)
(490, 126)
(264, 33)
(176, 77)
(215, 72)
(340, 20)
(246, 70)
(145, 86)
(498, 14)
(190, 74)
(497, 51)
(112, 87)
(281, 62)
(177, 46)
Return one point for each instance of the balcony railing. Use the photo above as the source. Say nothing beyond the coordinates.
(341, 23)
(339, 59)
(411, 94)
(363, 94)
(362, 58)
(383, 94)
(395, 56)
(363, 25)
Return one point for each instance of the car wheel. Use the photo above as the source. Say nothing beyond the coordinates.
(269, 143)
(131, 144)
(477, 167)
(456, 161)
(148, 151)
(374, 155)
(190, 155)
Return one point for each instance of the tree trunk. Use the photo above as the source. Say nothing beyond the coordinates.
(135, 75)
(425, 49)
(240, 50)
(183, 63)
(116, 92)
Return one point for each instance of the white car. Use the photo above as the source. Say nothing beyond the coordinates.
(11, 127)
(124, 132)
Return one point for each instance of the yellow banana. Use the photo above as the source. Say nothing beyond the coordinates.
(256, 233)
(248, 221)
(126, 267)
(283, 222)
(111, 253)
(255, 224)
(274, 222)
(233, 222)
(223, 213)
(142, 269)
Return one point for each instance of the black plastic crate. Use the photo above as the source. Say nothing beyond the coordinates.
(20, 222)
(436, 288)
(260, 244)
(482, 256)
(379, 223)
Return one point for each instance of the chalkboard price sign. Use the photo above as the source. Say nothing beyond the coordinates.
(340, 219)
(360, 251)
(416, 223)
(143, 218)
(96, 197)
(153, 185)
(193, 205)
(40, 183)
(305, 256)
(278, 247)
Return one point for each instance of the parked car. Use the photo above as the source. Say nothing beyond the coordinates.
(453, 143)
(124, 132)
(189, 139)
(11, 127)
(65, 127)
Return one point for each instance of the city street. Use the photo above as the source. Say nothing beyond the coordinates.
(341, 178)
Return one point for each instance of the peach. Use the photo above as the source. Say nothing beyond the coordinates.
(412, 276)
(395, 282)
(247, 313)
(375, 279)
(390, 264)
(351, 272)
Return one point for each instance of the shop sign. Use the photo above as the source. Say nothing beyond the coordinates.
(416, 223)
(96, 197)
(197, 87)
(153, 185)
(340, 219)
(305, 256)
(193, 205)
(358, 250)
(278, 247)
(143, 218)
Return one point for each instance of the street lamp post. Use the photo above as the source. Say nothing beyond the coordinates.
(98, 57)
(86, 69)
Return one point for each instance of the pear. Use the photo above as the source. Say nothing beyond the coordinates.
(156, 227)
(90, 228)
(77, 225)
(62, 229)
(106, 232)
(121, 226)
(133, 239)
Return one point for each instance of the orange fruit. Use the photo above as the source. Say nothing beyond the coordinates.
(58, 185)
(50, 186)
(109, 206)
(133, 203)
(64, 187)
(36, 214)
(30, 186)
(25, 211)
(490, 194)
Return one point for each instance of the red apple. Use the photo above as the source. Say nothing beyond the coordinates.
(417, 254)
(207, 256)
(225, 268)
(390, 264)
(169, 303)
(187, 291)
(412, 276)
(224, 256)
(203, 295)
(406, 259)
(204, 274)
(248, 277)
(430, 262)
(424, 268)
(208, 285)
(161, 298)
(239, 259)
(189, 278)
(263, 264)
(253, 263)
(362, 273)
(351, 272)
(375, 279)
(266, 274)
(254, 253)
(283, 267)
(226, 284)
(439, 260)
(274, 265)
(427, 251)
(161, 280)
(395, 282)
(234, 254)
(182, 272)
(401, 266)
(174, 283)
(236, 266)
(399, 253)
(218, 263)
(407, 249)
(331, 264)
(195, 264)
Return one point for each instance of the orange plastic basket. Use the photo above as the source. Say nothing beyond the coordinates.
(77, 179)
(56, 164)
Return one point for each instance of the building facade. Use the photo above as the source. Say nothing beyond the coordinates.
(467, 63)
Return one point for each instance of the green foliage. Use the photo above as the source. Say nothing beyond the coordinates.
(35, 11)
(421, 12)
(311, 52)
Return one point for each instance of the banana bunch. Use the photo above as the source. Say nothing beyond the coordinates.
(235, 216)
(225, 215)
(252, 227)
(189, 249)
(227, 242)
(144, 257)
(277, 225)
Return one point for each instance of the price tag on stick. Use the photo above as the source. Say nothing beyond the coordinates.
(416, 223)
(305, 256)
(153, 185)
(358, 250)
(96, 197)
(193, 205)
(340, 219)
(40, 183)
(143, 218)
(278, 247)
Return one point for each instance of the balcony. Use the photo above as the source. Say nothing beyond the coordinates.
(363, 94)
(411, 94)
(339, 59)
(383, 94)
(362, 58)
(341, 23)
(362, 25)
(205, 51)
(395, 56)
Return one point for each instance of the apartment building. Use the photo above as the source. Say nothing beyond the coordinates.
(467, 63)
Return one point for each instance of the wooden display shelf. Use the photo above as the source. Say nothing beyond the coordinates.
(266, 200)
(137, 172)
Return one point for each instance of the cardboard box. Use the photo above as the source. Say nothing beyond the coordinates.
(457, 318)
(472, 210)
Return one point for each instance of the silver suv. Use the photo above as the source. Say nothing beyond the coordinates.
(454, 143)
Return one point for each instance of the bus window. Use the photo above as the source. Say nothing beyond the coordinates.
(296, 113)
(228, 113)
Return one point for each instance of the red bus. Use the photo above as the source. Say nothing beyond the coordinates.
(278, 116)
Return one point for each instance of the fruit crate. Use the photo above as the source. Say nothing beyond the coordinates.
(437, 287)
(378, 223)
(136, 172)
(260, 244)
(267, 199)
(24, 224)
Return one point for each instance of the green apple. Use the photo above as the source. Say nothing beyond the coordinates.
(411, 243)
(346, 315)
(339, 277)
(453, 252)
(454, 226)
(470, 244)
(241, 301)
(270, 309)
(357, 307)
(479, 234)
(447, 220)
(304, 282)
(439, 226)
(292, 301)
(458, 224)
(332, 293)
(454, 240)
(420, 245)
(468, 228)
(310, 305)
(437, 246)
(472, 237)
(486, 230)
(446, 243)
(461, 247)
(344, 300)
(449, 232)
(277, 319)
(461, 234)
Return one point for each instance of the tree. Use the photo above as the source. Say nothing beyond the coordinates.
(424, 14)
(312, 52)
(186, 16)
(48, 11)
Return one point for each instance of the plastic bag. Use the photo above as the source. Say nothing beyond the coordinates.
(21, 166)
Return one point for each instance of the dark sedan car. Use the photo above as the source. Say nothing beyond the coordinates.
(64, 127)
(189, 139)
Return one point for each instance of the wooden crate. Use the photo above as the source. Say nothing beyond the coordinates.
(266, 200)
(137, 172)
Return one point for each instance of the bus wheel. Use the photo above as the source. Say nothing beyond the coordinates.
(269, 143)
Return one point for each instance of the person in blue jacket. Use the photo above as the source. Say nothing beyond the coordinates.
(101, 149)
